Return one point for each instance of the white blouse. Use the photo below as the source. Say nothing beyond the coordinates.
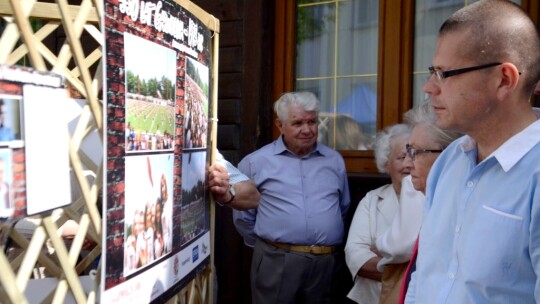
(373, 216)
(397, 242)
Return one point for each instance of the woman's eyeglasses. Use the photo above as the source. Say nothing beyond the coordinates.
(412, 152)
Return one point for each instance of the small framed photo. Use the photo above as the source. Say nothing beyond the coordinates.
(11, 124)
(6, 178)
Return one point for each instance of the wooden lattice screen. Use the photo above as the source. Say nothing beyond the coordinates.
(22, 42)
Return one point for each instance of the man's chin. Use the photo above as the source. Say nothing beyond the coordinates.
(416, 183)
(307, 143)
(442, 123)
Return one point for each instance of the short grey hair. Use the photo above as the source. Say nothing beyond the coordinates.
(383, 143)
(498, 31)
(423, 114)
(307, 100)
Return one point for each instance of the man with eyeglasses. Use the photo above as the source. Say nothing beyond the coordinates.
(480, 238)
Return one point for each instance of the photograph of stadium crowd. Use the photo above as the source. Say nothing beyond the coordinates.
(148, 210)
(194, 216)
(150, 95)
(196, 117)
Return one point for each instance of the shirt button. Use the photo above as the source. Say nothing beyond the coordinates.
(457, 229)
(470, 184)
(451, 276)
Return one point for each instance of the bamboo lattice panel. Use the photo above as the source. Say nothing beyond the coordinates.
(29, 26)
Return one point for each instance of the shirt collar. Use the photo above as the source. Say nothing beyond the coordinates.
(387, 191)
(280, 148)
(511, 151)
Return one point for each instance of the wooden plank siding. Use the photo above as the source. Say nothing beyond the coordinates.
(245, 114)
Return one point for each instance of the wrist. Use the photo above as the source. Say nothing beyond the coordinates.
(232, 194)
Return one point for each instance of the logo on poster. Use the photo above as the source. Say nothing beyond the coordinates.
(195, 254)
(175, 265)
(204, 248)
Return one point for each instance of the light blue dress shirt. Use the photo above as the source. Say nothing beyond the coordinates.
(480, 239)
(304, 200)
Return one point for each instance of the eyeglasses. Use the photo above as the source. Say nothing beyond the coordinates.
(445, 74)
(412, 152)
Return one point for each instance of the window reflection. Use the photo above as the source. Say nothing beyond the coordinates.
(342, 132)
(337, 60)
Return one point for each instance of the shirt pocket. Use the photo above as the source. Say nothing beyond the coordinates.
(497, 240)
(327, 185)
(503, 214)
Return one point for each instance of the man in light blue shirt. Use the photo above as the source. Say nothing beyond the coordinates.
(299, 225)
(480, 239)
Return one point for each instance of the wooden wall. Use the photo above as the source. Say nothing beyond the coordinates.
(244, 113)
(245, 124)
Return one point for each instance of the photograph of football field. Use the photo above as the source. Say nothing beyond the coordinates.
(150, 95)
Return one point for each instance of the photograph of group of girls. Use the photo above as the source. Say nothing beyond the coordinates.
(150, 95)
(196, 114)
(148, 210)
(194, 213)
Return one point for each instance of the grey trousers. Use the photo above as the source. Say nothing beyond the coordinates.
(280, 276)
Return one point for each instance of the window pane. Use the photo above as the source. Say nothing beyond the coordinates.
(322, 88)
(337, 60)
(429, 16)
(357, 102)
(358, 37)
(315, 39)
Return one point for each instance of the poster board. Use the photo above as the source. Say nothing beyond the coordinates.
(159, 69)
(34, 143)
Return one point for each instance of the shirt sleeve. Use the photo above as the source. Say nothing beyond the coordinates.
(358, 247)
(345, 194)
(244, 221)
(235, 175)
(534, 244)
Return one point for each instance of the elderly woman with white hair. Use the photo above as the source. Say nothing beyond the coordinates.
(396, 244)
(374, 215)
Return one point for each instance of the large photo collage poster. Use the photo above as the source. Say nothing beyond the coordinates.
(156, 224)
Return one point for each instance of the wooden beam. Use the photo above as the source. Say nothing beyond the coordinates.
(49, 11)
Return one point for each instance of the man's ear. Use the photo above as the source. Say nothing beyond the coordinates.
(508, 81)
(279, 124)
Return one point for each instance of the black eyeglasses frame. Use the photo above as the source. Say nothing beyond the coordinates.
(412, 154)
(445, 74)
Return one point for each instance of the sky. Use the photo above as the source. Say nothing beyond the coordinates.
(193, 169)
(202, 69)
(148, 59)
